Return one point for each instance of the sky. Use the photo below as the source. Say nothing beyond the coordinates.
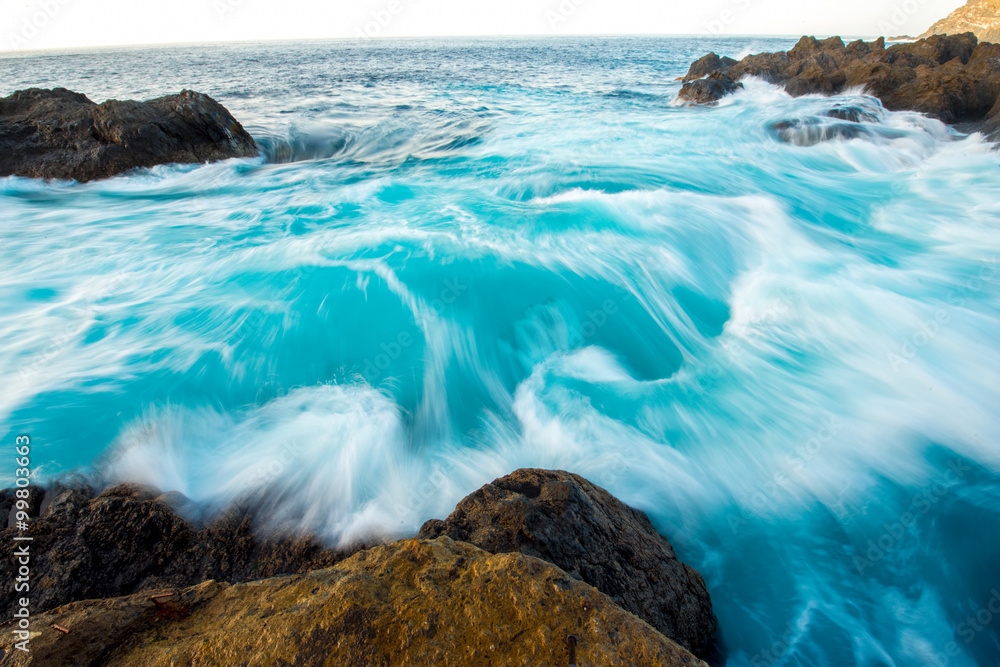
(67, 24)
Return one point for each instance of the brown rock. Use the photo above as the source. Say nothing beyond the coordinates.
(952, 78)
(706, 65)
(565, 520)
(61, 134)
(414, 602)
(981, 17)
(709, 90)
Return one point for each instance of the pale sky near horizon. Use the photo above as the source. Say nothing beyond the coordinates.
(67, 24)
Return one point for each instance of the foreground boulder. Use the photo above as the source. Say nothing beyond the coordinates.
(413, 602)
(130, 538)
(562, 518)
(953, 78)
(61, 134)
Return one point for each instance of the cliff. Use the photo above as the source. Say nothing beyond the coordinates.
(980, 17)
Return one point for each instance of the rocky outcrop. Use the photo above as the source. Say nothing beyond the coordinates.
(436, 600)
(708, 64)
(414, 602)
(562, 518)
(710, 89)
(61, 134)
(131, 538)
(980, 17)
(955, 78)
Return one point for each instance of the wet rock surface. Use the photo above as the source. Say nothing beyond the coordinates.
(952, 78)
(129, 538)
(710, 89)
(564, 519)
(61, 134)
(414, 602)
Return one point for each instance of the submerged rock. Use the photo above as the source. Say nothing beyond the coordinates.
(811, 131)
(61, 134)
(414, 602)
(565, 520)
(952, 78)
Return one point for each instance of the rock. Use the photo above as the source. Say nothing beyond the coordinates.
(953, 78)
(852, 113)
(709, 90)
(8, 504)
(981, 17)
(413, 602)
(61, 134)
(809, 132)
(706, 65)
(562, 518)
(128, 539)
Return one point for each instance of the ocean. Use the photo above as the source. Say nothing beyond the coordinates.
(456, 258)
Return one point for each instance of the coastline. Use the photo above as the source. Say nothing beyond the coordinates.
(955, 78)
(550, 539)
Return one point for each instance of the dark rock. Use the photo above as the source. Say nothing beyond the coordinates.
(565, 520)
(708, 64)
(8, 503)
(61, 134)
(852, 114)
(952, 78)
(709, 90)
(129, 538)
(811, 131)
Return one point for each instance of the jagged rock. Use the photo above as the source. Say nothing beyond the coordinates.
(981, 17)
(953, 78)
(708, 64)
(128, 539)
(565, 520)
(414, 602)
(61, 134)
(710, 89)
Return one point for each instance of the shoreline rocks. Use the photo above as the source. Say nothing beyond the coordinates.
(575, 558)
(954, 78)
(129, 538)
(61, 134)
(413, 602)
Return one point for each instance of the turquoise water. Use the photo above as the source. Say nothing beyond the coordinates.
(460, 258)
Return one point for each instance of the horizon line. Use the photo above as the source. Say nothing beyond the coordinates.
(70, 50)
